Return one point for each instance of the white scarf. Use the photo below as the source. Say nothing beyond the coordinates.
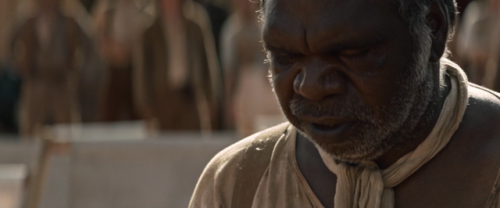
(366, 186)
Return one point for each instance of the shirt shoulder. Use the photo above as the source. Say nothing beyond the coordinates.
(483, 96)
(216, 184)
(479, 130)
(481, 118)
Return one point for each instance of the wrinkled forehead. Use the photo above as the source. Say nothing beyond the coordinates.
(305, 11)
(316, 22)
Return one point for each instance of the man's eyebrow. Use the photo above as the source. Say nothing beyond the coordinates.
(346, 45)
(353, 42)
(279, 49)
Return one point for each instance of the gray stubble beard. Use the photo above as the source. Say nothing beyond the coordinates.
(396, 123)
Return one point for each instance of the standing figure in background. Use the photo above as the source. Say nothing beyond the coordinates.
(49, 49)
(7, 17)
(88, 4)
(177, 81)
(118, 24)
(9, 79)
(492, 75)
(474, 39)
(249, 97)
(218, 16)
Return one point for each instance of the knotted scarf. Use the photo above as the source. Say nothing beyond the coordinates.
(366, 186)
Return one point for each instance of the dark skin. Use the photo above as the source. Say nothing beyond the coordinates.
(312, 45)
(461, 175)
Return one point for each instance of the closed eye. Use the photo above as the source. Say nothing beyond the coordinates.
(355, 53)
(283, 58)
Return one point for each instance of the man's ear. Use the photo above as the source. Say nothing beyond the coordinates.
(439, 22)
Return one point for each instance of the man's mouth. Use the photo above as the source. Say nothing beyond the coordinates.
(326, 123)
(330, 129)
(326, 127)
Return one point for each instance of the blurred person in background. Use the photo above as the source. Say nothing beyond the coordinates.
(492, 76)
(7, 18)
(119, 23)
(9, 80)
(248, 93)
(475, 37)
(49, 49)
(218, 16)
(88, 4)
(10, 86)
(452, 45)
(176, 73)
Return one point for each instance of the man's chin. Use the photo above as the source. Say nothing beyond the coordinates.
(338, 135)
(349, 151)
(350, 157)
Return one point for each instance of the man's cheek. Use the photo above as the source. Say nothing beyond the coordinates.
(283, 88)
(284, 78)
(283, 85)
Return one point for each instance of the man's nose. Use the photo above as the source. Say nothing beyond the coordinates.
(317, 81)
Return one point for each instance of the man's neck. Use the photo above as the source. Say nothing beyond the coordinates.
(423, 129)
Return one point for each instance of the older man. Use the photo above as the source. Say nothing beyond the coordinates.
(378, 116)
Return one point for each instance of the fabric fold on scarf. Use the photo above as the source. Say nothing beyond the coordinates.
(366, 186)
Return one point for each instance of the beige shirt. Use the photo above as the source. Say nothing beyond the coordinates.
(282, 184)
